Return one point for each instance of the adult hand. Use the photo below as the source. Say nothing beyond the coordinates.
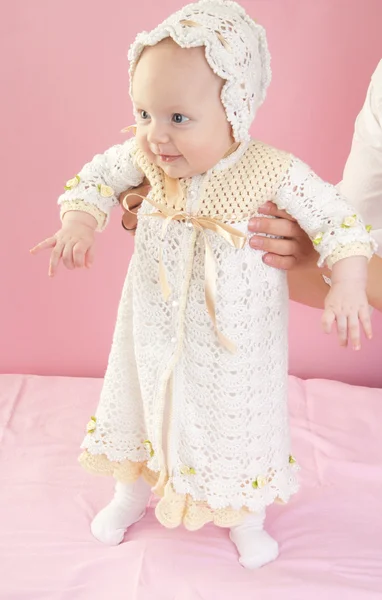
(134, 200)
(294, 250)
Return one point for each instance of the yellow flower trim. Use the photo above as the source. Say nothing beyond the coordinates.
(187, 471)
(349, 222)
(150, 448)
(92, 425)
(369, 228)
(105, 190)
(72, 183)
(318, 239)
(292, 460)
(259, 482)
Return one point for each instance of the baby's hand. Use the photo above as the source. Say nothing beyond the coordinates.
(347, 304)
(74, 243)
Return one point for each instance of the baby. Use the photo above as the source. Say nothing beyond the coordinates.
(194, 402)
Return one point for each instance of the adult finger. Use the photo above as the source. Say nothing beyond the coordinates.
(270, 208)
(133, 202)
(279, 227)
(284, 247)
(133, 197)
(129, 221)
(284, 263)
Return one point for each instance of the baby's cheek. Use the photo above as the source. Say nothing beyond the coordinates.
(144, 146)
(142, 142)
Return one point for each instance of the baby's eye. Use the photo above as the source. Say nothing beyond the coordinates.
(144, 114)
(178, 118)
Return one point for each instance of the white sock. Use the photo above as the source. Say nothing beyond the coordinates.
(127, 507)
(255, 546)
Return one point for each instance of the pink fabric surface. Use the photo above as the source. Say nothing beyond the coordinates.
(330, 535)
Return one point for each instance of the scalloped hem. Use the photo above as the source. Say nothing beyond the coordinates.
(125, 472)
(173, 509)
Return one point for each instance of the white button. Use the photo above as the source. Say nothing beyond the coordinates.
(189, 224)
(192, 194)
(173, 340)
(175, 303)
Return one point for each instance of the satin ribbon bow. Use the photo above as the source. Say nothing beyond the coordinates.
(232, 236)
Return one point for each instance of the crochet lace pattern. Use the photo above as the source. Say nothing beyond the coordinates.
(236, 50)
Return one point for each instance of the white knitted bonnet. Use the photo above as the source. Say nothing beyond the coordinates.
(236, 50)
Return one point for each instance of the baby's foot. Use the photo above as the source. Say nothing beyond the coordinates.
(255, 546)
(256, 549)
(127, 507)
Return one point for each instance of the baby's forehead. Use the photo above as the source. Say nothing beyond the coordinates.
(169, 78)
(167, 61)
(168, 50)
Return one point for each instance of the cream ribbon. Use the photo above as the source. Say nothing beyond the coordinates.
(235, 238)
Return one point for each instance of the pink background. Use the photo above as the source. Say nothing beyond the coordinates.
(64, 98)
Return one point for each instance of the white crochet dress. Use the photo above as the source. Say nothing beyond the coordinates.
(208, 428)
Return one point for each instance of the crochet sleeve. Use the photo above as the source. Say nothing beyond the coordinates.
(331, 222)
(95, 189)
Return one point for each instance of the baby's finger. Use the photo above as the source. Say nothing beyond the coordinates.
(48, 243)
(354, 331)
(89, 257)
(79, 251)
(55, 258)
(342, 329)
(67, 256)
(364, 317)
(328, 319)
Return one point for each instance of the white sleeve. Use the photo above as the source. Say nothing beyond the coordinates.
(327, 217)
(95, 189)
(362, 178)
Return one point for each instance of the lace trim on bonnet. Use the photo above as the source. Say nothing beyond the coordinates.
(236, 50)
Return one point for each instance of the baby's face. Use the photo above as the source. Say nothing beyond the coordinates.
(181, 125)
